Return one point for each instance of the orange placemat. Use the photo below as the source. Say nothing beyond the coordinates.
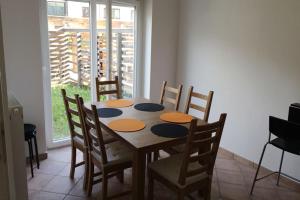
(126, 125)
(119, 103)
(176, 117)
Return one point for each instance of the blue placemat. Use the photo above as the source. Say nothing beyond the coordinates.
(169, 130)
(149, 107)
(109, 112)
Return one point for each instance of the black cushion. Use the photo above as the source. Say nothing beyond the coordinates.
(289, 146)
(29, 131)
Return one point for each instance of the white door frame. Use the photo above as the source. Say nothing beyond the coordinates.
(93, 31)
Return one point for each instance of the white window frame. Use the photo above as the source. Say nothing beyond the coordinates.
(93, 31)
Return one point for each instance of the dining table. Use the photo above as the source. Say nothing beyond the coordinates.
(141, 142)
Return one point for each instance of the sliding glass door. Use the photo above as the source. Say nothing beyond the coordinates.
(87, 39)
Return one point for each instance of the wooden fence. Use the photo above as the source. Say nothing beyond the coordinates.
(70, 59)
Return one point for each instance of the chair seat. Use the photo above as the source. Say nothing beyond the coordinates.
(117, 153)
(289, 146)
(169, 168)
(29, 131)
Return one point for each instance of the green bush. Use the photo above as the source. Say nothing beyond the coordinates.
(60, 123)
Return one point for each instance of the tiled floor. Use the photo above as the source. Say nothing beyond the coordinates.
(232, 180)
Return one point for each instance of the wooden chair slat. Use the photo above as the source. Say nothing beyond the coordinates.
(200, 96)
(202, 156)
(74, 112)
(196, 107)
(107, 82)
(108, 92)
(167, 99)
(76, 123)
(71, 100)
(173, 90)
(206, 140)
(197, 171)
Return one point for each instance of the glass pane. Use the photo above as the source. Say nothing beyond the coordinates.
(123, 44)
(70, 58)
(101, 41)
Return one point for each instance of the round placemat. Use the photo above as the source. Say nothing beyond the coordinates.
(149, 107)
(119, 103)
(109, 112)
(169, 130)
(126, 125)
(176, 117)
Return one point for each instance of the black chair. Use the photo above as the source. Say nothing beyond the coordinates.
(30, 133)
(287, 139)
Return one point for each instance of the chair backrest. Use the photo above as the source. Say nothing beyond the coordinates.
(284, 129)
(104, 88)
(204, 109)
(176, 92)
(73, 115)
(93, 130)
(199, 136)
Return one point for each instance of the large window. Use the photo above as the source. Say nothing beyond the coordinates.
(84, 43)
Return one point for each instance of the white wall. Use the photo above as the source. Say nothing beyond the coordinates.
(22, 49)
(160, 44)
(247, 51)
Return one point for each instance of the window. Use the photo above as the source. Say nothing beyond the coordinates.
(115, 13)
(57, 8)
(84, 43)
(85, 12)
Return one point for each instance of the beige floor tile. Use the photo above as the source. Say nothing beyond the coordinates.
(226, 164)
(233, 192)
(60, 184)
(46, 196)
(79, 171)
(265, 194)
(51, 167)
(39, 181)
(288, 195)
(232, 177)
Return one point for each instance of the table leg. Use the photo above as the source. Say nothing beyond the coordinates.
(138, 179)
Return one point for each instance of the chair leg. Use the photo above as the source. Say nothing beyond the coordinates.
(36, 153)
(150, 185)
(280, 168)
(86, 170)
(156, 155)
(120, 176)
(259, 164)
(90, 177)
(149, 158)
(30, 156)
(180, 196)
(104, 186)
(207, 192)
(73, 162)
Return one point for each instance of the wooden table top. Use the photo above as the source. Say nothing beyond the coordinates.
(143, 139)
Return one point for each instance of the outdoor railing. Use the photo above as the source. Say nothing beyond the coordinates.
(70, 59)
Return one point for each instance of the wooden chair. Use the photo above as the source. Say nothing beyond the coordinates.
(78, 139)
(188, 172)
(175, 91)
(101, 88)
(112, 159)
(205, 110)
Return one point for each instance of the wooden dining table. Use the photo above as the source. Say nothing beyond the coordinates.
(141, 142)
